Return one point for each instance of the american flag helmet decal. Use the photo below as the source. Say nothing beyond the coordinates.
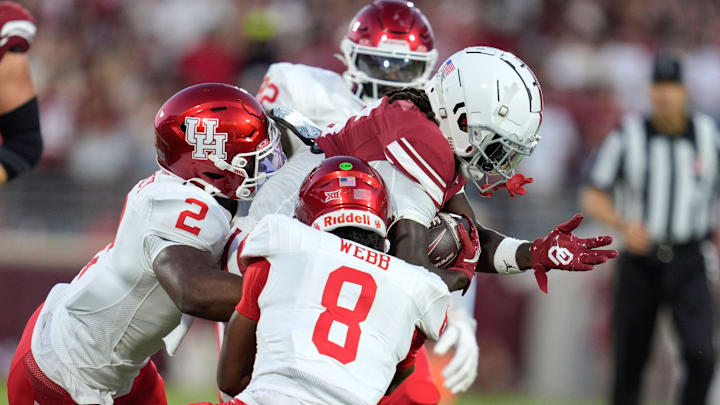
(448, 67)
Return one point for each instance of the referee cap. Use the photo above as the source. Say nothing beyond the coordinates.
(667, 68)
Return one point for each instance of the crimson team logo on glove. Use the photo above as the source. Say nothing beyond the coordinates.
(563, 250)
(560, 255)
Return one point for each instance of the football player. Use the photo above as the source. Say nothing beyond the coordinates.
(19, 115)
(475, 120)
(389, 45)
(90, 342)
(333, 318)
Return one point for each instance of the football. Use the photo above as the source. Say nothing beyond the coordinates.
(444, 243)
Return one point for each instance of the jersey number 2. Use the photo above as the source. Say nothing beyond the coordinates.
(199, 216)
(350, 318)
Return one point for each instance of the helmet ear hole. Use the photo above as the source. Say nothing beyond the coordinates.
(462, 122)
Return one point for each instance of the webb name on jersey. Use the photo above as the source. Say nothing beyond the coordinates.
(335, 317)
(101, 329)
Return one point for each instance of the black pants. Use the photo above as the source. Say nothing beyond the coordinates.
(643, 285)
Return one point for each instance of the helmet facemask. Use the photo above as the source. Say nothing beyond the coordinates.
(262, 163)
(373, 71)
(495, 156)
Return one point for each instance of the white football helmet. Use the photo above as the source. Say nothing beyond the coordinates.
(489, 105)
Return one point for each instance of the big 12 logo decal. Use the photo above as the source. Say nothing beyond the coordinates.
(205, 142)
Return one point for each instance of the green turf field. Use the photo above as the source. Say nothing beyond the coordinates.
(179, 397)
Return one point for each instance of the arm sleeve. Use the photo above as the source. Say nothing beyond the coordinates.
(253, 285)
(607, 167)
(22, 143)
(418, 341)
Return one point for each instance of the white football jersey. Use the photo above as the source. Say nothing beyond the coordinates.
(95, 334)
(321, 95)
(336, 317)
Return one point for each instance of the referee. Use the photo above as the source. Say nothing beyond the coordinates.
(655, 181)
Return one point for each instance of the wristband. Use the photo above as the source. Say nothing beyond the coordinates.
(505, 261)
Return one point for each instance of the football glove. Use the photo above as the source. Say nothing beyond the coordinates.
(562, 250)
(467, 259)
(459, 334)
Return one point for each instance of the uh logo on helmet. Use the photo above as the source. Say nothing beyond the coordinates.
(218, 137)
(489, 104)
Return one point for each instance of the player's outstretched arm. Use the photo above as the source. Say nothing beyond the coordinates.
(196, 284)
(560, 249)
(237, 355)
(409, 241)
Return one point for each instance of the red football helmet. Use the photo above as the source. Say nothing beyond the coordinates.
(390, 44)
(218, 136)
(344, 191)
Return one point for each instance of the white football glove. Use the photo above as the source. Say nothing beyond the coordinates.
(459, 334)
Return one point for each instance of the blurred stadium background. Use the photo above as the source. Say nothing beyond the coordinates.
(103, 68)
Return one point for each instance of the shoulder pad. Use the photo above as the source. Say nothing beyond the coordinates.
(187, 215)
(278, 234)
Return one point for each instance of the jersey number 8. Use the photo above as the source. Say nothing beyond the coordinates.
(351, 318)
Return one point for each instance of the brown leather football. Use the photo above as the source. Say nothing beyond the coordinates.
(444, 244)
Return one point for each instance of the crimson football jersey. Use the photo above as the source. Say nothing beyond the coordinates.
(401, 134)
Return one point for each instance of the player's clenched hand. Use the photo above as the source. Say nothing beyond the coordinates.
(17, 28)
(561, 249)
(467, 259)
(459, 334)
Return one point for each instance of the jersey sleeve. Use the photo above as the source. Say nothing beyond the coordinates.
(253, 284)
(433, 301)
(273, 92)
(188, 218)
(278, 234)
(415, 145)
(407, 198)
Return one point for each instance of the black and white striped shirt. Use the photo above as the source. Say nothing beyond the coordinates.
(669, 183)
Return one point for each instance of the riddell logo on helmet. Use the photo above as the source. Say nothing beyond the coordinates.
(350, 219)
(206, 142)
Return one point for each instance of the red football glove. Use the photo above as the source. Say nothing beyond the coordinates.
(467, 259)
(17, 28)
(564, 251)
(514, 185)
